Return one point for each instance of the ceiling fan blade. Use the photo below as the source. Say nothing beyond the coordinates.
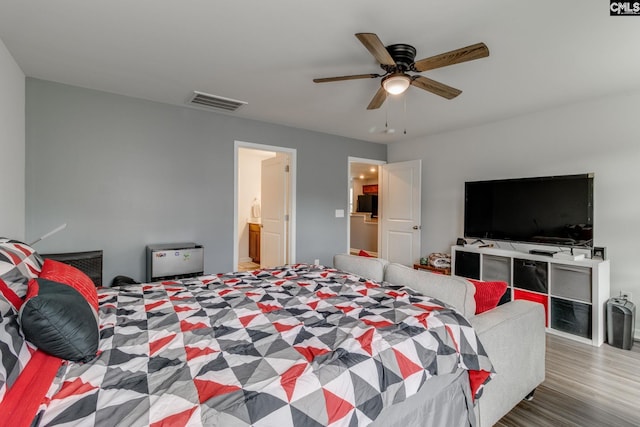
(340, 78)
(378, 99)
(376, 48)
(435, 87)
(469, 53)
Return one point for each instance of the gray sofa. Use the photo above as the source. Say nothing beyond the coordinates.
(513, 334)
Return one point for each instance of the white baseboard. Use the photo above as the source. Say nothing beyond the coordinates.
(245, 259)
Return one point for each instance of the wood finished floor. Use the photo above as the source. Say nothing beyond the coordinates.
(584, 386)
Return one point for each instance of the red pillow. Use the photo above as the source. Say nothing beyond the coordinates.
(60, 272)
(488, 294)
(363, 253)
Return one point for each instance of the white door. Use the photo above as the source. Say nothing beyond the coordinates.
(399, 218)
(274, 194)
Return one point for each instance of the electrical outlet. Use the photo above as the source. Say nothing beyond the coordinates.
(316, 261)
(627, 295)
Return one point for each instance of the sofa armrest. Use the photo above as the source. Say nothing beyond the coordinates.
(367, 267)
(452, 290)
(513, 335)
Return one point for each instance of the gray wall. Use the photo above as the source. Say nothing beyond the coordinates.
(600, 136)
(124, 172)
(12, 146)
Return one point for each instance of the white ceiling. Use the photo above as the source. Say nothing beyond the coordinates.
(544, 53)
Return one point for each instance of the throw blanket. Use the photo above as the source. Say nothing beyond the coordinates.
(294, 346)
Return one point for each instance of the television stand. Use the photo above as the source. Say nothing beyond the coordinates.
(543, 252)
(572, 291)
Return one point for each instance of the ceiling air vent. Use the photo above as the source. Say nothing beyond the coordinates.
(206, 100)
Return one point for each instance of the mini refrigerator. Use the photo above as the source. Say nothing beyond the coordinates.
(174, 261)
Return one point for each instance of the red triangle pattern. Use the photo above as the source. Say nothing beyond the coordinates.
(476, 380)
(422, 318)
(453, 338)
(186, 326)
(311, 353)
(365, 340)
(157, 345)
(266, 308)
(396, 295)
(149, 307)
(181, 308)
(282, 327)
(245, 320)
(252, 294)
(378, 323)
(313, 304)
(429, 307)
(289, 377)
(208, 389)
(345, 308)
(337, 407)
(73, 388)
(225, 291)
(325, 295)
(179, 419)
(193, 352)
(407, 367)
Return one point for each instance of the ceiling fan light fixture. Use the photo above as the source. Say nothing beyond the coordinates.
(396, 84)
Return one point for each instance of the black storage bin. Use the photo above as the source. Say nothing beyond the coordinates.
(530, 275)
(467, 265)
(621, 317)
(571, 316)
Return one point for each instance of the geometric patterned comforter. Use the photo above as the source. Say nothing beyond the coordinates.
(294, 346)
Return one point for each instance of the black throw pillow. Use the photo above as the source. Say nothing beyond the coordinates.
(57, 319)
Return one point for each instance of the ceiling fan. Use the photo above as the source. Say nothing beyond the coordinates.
(398, 59)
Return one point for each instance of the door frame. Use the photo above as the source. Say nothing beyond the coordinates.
(291, 235)
(350, 160)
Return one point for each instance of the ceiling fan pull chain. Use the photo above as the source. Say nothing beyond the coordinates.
(405, 114)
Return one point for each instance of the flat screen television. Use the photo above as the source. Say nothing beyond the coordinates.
(552, 210)
(368, 203)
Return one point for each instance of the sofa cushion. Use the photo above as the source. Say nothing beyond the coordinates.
(451, 290)
(488, 294)
(367, 267)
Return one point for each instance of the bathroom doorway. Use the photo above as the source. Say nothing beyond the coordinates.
(264, 225)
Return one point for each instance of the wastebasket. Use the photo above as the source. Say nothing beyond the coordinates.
(621, 316)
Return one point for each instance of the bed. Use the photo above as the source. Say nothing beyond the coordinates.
(299, 345)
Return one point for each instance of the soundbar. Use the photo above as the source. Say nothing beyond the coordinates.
(541, 252)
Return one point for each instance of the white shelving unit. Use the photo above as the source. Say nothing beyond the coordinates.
(574, 293)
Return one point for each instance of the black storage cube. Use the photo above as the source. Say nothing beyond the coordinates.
(467, 265)
(571, 316)
(530, 275)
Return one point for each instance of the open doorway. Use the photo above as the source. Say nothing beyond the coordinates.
(364, 200)
(264, 223)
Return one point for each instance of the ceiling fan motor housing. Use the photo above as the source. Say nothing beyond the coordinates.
(404, 56)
